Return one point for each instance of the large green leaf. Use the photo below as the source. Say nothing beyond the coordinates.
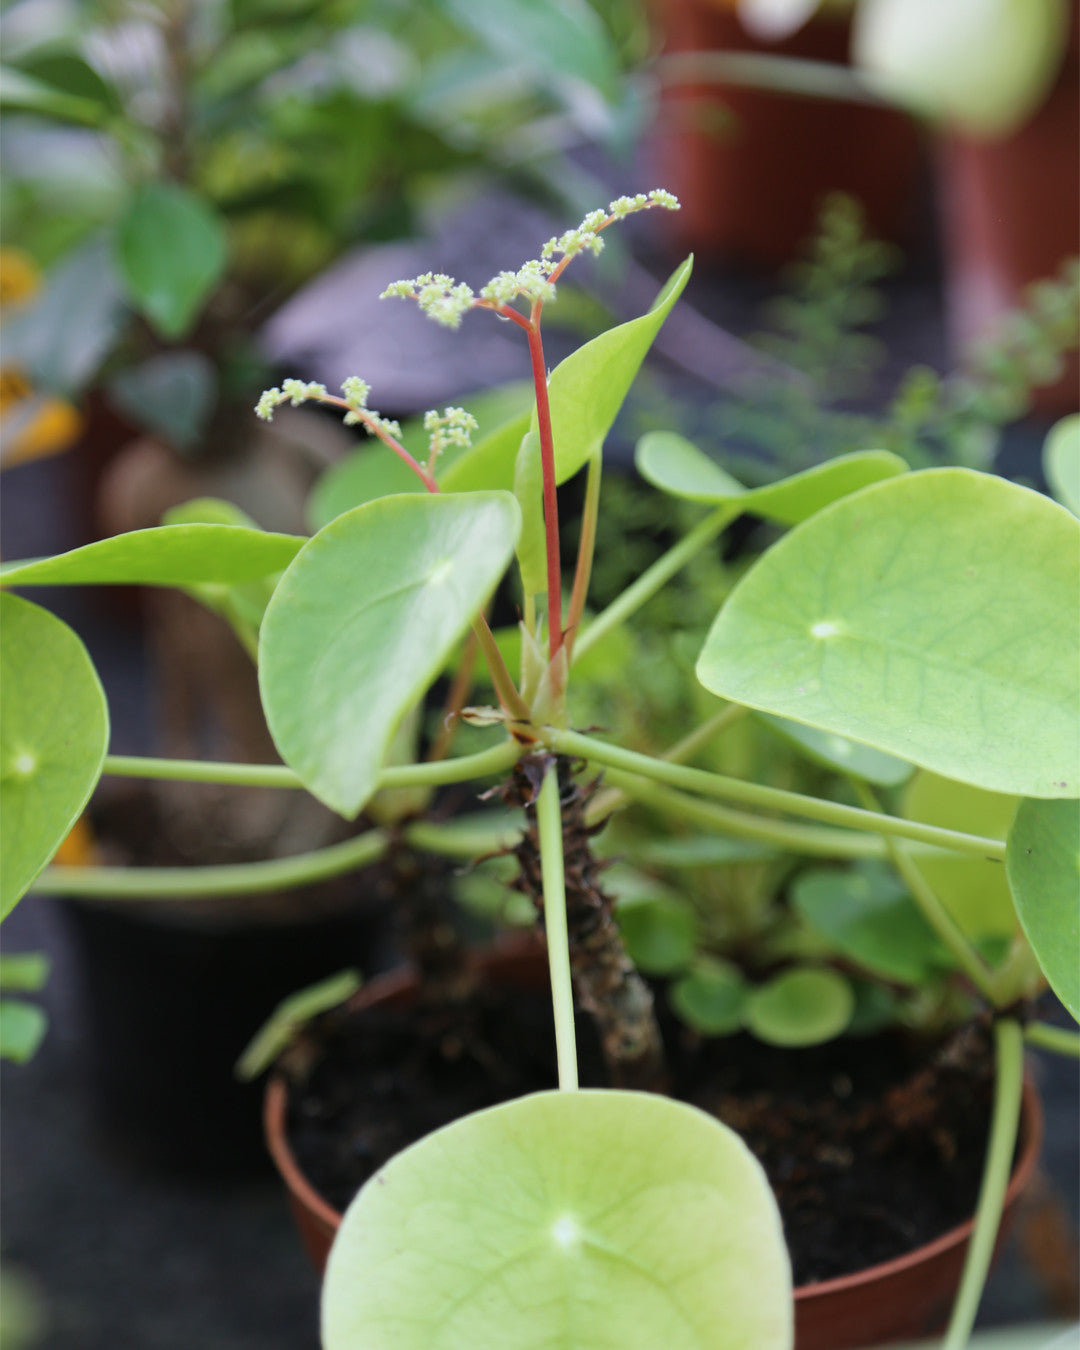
(1043, 863)
(171, 555)
(933, 616)
(672, 464)
(868, 916)
(171, 252)
(362, 622)
(564, 1220)
(975, 891)
(54, 732)
(587, 390)
(1061, 462)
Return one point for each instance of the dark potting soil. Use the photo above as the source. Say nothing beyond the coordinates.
(873, 1146)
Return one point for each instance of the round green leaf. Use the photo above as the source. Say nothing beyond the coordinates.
(170, 555)
(362, 622)
(564, 1220)
(985, 65)
(1061, 462)
(867, 915)
(837, 752)
(711, 997)
(803, 1006)
(975, 891)
(54, 732)
(672, 464)
(22, 1029)
(932, 616)
(660, 932)
(1043, 864)
(587, 390)
(171, 253)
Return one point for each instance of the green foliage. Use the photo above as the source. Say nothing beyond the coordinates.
(54, 732)
(1061, 462)
(22, 1029)
(711, 997)
(802, 1006)
(289, 1017)
(845, 625)
(364, 619)
(1043, 864)
(555, 1227)
(24, 972)
(839, 753)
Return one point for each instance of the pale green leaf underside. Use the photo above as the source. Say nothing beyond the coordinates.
(612, 1220)
(362, 622)
(54, 732)
(932, 616)
(975, 891)
(1061, 462)
(837, 752)
(587, 390)
(170, 555)
(672, 464)
(1043, 864)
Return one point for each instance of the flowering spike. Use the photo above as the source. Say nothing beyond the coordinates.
(440, 297)
(453, 427)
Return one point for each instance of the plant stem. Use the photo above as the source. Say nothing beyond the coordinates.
(655, 577)
(549, 827)
(462, 838)
(551, 501)
(933, 911)
(199, 883)
(1058, 1039)
(374, 428)
(586, 548)
(1008, 1085)
(774, 799)
(814, 841)
(496, 759)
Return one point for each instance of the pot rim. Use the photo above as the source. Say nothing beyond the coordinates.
(396, 982)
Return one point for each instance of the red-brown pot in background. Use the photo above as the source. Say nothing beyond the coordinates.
(907, 1297)
(1011, 215)
(751, 167)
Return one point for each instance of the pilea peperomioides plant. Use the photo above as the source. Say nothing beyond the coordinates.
(928, 616)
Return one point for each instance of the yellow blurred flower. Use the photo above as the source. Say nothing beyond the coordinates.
(31, 425)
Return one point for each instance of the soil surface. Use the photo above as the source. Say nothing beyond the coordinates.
(873, 1146)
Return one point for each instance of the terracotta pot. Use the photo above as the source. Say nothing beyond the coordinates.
(1009, 217)
(751, 167)
(899, 1299)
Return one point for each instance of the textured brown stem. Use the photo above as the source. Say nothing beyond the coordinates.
(606, 983)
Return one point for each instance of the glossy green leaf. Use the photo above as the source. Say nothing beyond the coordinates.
(1043, 864)
(711, 997)
(1061, 462)
(24, 972)
(22, 1029)
(289, 1016)
(866, 915)
(838, 752)
(171, 252)
(803, 1006)
(54, 732)
(983, 65)
(363, 476)
(564, 1220)
(362, 622)
(975, 891)
(171, 555)
(489, 464)
(587, 390)
(672, 464)
(660, 932)
(932, 616)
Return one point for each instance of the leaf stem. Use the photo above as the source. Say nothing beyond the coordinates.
(505, 688)
(1008, 1088)
(495, 759)
(549, 828)
(551, 501)
(207, 883)
(655, 577)
(708, 784)
(933, 911)
(372, 425)
(586, 549)
(1060, 1040)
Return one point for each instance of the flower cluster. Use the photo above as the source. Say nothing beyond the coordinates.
(446, 300)
(291, 391)
(453, 427)
(356, 393)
